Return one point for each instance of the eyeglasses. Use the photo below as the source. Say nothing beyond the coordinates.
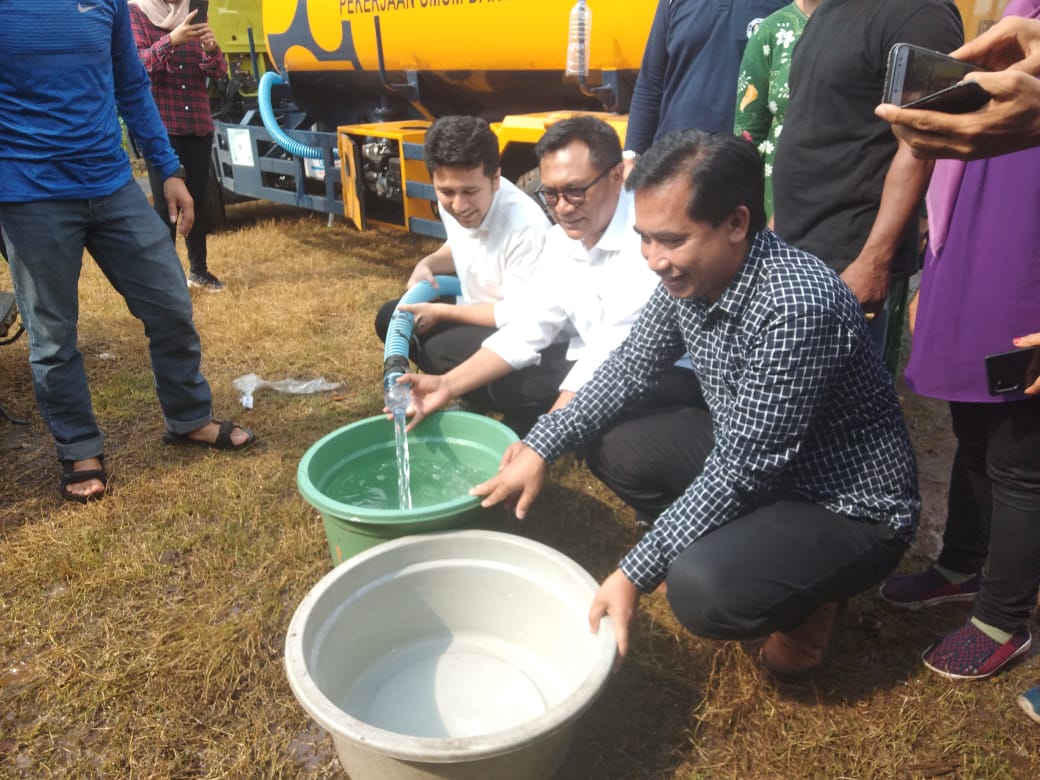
(573, 195)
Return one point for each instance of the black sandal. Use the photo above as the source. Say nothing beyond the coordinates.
(222, 442)
(71, 477)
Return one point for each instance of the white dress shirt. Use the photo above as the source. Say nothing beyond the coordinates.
(596, 294)
(497, 260)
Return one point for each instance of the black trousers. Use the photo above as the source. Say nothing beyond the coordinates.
(653, 451)
(194, 153)
(993, 510)
(762, 572)
(521, 395)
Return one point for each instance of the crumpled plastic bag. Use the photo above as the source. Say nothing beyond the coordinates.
(248, 384)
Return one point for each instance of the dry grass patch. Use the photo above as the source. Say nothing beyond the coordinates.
(143, 634)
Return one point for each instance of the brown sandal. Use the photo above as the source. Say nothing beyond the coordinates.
(790, 656)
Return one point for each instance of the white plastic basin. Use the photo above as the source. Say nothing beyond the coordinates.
(455, 655)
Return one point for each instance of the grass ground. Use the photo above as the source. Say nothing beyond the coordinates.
(142, 635)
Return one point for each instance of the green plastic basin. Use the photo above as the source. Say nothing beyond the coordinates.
(350, 477)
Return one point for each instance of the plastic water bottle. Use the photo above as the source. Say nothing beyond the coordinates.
(396, 395)
(580, 31)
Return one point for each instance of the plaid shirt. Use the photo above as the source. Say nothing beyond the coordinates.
(800, 400)
(178, 75)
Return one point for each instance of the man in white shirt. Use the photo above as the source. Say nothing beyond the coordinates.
(495, 233)
(592, 281)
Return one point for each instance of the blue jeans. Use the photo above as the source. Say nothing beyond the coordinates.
(131, 245)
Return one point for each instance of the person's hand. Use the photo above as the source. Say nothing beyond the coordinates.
(562, 400)
(430, 392)
(868, 280)
(617, 597)
(1013, 42)
(425, 315)
(911, 312)
(1009, 122)
(207, 38)
(186, 31)
(1032, 340)
(179, 203)
(422, 273)
(627, 165)
(520, 478)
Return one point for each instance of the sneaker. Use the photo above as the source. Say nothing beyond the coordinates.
(206, 281)
(969, 654)
(926, 589)
(1030, 703)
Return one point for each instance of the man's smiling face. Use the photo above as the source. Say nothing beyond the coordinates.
(692, 258)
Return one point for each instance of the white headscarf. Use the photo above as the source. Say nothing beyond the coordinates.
(165, 16)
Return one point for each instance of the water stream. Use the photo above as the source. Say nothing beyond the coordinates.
(397, 397)
(404, 466)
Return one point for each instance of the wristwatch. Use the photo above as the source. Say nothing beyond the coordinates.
(180, 173)
(628, 154)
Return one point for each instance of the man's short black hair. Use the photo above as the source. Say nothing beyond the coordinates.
(461, 142)
(724, 171)
(601, 139)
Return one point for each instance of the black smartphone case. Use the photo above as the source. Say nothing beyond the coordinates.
(1008, 372)
(961, 98)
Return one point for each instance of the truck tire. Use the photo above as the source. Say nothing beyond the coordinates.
(530, 182)
(216, 217)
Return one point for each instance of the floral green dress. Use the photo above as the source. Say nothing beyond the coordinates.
(762, 89)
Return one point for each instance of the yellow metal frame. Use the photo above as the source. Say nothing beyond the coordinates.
(413, 171)
(529, 128)
(513, 129)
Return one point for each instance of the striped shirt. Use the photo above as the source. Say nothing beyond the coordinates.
(178, 75)
(800, 400)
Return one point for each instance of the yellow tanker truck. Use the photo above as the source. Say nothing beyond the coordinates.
(359, 81)
(353, 85)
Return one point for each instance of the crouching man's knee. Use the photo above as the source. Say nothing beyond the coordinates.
(712, 600)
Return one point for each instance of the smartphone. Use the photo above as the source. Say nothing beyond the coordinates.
(962, 98)
(203, 11)
(915, 73)
(1007, 372)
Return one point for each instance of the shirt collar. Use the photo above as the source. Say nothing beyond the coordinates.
(613, 238)
(488, 223)
(616, 238)
(737, 295)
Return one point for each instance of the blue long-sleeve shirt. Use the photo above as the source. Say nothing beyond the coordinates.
(70, 68)
(800, 401)
(688, 77)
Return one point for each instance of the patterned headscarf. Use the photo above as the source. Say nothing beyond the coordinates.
(165, 16)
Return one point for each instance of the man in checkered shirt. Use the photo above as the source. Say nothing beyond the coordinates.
(794, 486)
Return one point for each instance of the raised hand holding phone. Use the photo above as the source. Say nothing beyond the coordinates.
(195, 27)
(1009, 122)
(925, 79)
